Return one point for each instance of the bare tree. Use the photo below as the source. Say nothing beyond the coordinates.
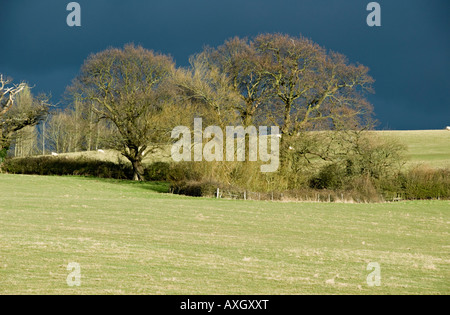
(316, 89)
(25, 142)
(15, 116)
(60, 132)
(124, 86)
(204, 87)
(7, 94)
(239, 61)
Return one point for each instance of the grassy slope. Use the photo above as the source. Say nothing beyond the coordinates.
(130, 239)
(116, 157)
(425, 146)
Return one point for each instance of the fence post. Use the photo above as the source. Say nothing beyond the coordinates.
(218, 193)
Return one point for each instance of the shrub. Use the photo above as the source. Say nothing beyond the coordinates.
(181, 172)
(157, 171)
(421, 182)
(195, 188)
(331, 176)
(426, 183)
(363, 189)
(3, 154)
(66, 166)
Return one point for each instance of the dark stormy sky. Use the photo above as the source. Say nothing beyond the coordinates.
(409, 55)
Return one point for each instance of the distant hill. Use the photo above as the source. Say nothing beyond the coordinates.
(425, 146)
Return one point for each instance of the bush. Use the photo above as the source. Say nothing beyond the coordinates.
(421, 182)
(182, 172)
(195, 188)
(333, 182)
(66, 166)
(331, 176)
(363, 189)
(3, 154)
(157, 171)
(426, 183)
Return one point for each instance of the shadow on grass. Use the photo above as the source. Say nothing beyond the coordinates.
(158, 187)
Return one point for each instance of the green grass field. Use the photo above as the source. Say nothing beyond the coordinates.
(431, 147)
(132, 238)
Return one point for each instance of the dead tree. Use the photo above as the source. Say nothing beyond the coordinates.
(15, 116)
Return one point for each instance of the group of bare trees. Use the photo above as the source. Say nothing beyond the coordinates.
(316, 97)
(129, 99)
(292, 81)
(29, 128)
(74, 129)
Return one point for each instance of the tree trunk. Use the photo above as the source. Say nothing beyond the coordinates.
(97, 136)
(138, 170)
(285, 130)
(43, 139)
